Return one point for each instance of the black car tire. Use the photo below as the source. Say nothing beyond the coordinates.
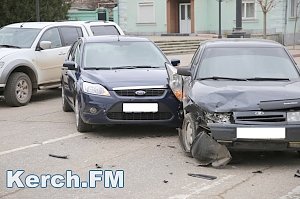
(65, 104)
(81, 126)
(188, 132)
(18, 90)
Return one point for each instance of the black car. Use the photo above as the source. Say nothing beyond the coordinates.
(118, 80)
(243, 93)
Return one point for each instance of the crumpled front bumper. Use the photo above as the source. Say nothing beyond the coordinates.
(227, 134)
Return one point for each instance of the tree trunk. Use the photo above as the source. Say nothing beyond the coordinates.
(265, 25)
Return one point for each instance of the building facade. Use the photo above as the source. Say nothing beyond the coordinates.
(156, 17)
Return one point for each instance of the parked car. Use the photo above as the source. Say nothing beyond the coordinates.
(31, 54)
(243, 93)
(118, 80)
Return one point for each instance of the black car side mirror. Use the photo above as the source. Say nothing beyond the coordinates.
(184, 71)
(175, 62)
(70, 65)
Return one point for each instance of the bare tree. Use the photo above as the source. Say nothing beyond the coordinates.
(296, 20)
(266, 7)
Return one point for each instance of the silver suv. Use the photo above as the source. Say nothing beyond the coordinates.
(31, 54)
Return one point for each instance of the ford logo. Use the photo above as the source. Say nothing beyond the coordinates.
(259, 113)
(140, 92)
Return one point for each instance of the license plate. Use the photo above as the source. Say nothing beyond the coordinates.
(260, 133)
(140, 107)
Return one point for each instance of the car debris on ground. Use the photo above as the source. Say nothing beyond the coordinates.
(208, 151)
(59, 156)
(207, 177)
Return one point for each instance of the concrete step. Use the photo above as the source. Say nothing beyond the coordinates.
(180, 51)
(178, 46)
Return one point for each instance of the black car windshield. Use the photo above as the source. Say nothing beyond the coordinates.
(247, 63)
(18, 37)
(122, 55)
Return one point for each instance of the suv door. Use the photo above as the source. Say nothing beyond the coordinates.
(50, 60)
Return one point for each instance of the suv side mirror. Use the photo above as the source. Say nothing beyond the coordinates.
(175, 62)
(70, 65)
(184, 71)
(44, 45)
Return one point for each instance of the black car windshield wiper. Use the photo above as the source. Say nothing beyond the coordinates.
(9, 46)
(226, 78)
(268, 79)
(122, 67)
(133, 67)
(146, 66)
(97, 68)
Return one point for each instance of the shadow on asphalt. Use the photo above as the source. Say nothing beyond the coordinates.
(265, 158)
(136, 131)
(39, 96)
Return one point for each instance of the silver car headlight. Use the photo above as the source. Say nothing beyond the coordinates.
(95, 89)
(293, 116)
(217, 117)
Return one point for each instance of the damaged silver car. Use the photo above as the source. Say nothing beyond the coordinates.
(238, 94)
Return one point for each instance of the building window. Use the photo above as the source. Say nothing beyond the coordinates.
(294, 8)
(248, 9)
(146, 12)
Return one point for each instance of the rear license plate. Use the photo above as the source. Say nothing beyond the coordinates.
(140, 107)
(260, 133)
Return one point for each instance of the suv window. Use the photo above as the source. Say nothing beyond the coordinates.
(53, 36)
(104, 30)
(70, 35)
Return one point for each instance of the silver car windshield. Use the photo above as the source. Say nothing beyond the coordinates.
(122, 54)
(18, 37)
(247, 63)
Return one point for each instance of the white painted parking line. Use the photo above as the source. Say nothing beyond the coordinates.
(194, 189)
(39, 144)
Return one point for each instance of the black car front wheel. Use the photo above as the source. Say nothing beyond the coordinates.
(80, 124)
(188, 132)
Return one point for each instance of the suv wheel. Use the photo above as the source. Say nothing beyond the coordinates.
(18, 89)
(65, 105)
(188, 132)
(80, 124)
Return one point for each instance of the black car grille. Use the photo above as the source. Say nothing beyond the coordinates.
(259, 117)
(147, 92)
(139, 116)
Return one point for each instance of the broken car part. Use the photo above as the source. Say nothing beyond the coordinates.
(207, 177)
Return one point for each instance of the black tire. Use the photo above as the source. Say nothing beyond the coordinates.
(18, 90)
(65, 104)
(188, 132)
(81, 126)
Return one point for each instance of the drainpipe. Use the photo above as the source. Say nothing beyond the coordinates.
(285, 22)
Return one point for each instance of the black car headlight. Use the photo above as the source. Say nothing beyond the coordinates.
(217, 117)
(293, 116)
(95, 89)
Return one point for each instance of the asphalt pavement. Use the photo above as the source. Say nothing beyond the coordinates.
(150, 156)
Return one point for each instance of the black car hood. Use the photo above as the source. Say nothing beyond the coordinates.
(126, 77)
(229, 96)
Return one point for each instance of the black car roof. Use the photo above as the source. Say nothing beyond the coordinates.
(112, 38)
(260, 43)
